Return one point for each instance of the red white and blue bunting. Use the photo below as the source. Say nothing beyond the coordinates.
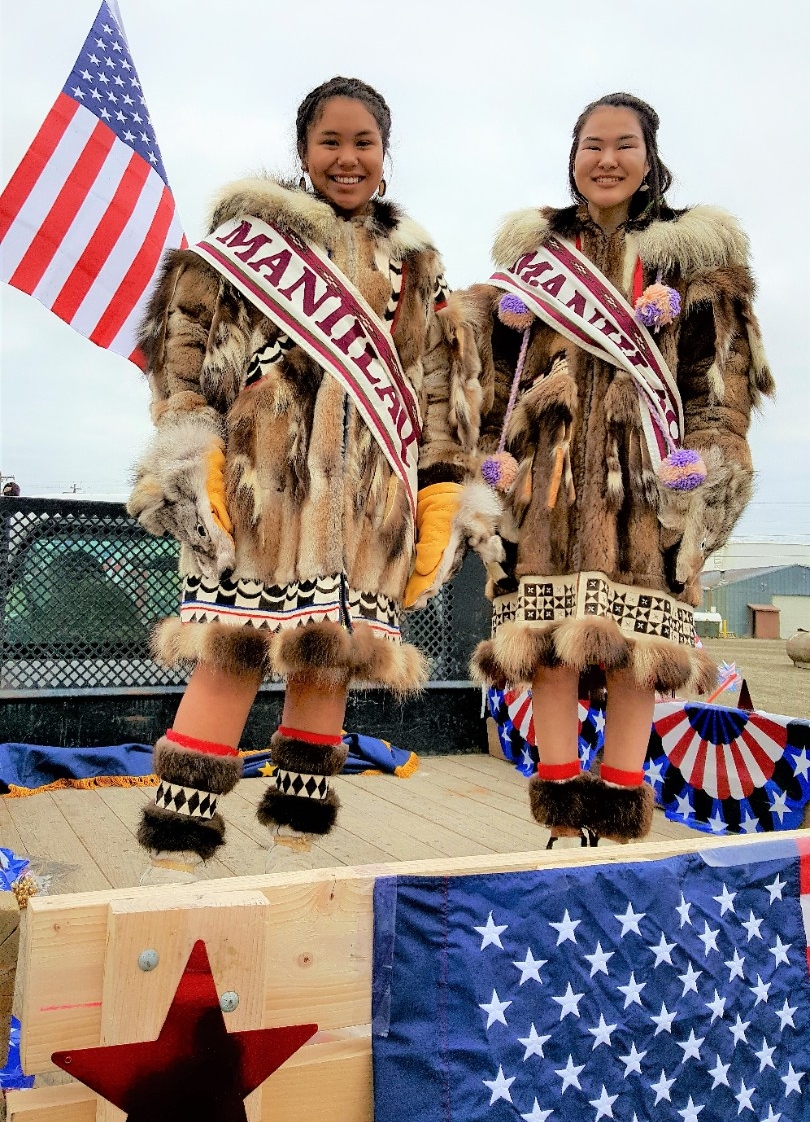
(715, 769)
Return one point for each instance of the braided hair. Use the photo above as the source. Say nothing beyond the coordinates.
(658, 178)
(311, 107)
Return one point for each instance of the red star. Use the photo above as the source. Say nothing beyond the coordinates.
(195, 1069)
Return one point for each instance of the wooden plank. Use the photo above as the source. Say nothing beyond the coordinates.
(45, 834)
(319, 941)
(71, 1103)
(9, 834)
(9, 948)
(103, 834)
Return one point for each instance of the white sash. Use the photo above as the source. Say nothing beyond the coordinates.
(565, 290)
(294, 284)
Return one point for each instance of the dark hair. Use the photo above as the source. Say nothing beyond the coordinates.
(659, 177)
(311, 107)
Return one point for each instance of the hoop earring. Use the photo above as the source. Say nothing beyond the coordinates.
(382, 189)
(302, 184)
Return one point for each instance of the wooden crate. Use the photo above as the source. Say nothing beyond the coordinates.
(297, 948)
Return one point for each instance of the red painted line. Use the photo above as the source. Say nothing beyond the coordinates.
(76, 1005)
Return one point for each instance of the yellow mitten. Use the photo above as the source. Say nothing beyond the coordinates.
(215, 488)
(436, 507)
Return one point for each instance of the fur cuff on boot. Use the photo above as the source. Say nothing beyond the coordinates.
(184, 815)
(565, 805)
(621, 814)
(299, 795)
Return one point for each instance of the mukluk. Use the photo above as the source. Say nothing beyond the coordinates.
(586, 620)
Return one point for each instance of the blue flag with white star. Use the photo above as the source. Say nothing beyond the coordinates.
(669, 990)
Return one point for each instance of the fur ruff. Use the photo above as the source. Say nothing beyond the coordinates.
(311, 759)
(310, 217)
(309, 816)
(618, 813)
(324, 652)
(704, 237)
(517, 651)
(164, 831)
(206, 772)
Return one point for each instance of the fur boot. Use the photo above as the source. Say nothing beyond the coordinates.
(588, 803)
(300, 795)
(183, 817)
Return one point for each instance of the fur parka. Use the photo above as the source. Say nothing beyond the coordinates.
(607, 572)
(322, 529)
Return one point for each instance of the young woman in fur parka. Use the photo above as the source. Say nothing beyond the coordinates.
(297, 536)
(603, 558)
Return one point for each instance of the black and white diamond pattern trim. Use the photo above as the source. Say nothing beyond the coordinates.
(185, 800)
(268, 356)
(300, 784)
(638, 612)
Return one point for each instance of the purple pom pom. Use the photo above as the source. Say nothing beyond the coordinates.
(682, 470)
(512, 312)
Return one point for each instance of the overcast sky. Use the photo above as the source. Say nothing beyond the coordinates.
(483, 96)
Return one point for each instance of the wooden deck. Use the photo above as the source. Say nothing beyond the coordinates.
(453, 806)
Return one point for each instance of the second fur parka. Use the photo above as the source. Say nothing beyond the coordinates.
(322, 528)
(606, 571)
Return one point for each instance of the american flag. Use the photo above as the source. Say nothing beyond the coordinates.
(675, 990)
(86, 216)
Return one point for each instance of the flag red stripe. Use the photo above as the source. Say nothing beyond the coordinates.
(104, 238)
(803, 845)
(46, 242)
(22, 182)
(138, 275)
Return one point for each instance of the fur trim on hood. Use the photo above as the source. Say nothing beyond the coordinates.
(704, 237)
(311, 217)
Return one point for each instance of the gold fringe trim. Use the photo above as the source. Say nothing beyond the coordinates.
(407, 769)
(90, 784)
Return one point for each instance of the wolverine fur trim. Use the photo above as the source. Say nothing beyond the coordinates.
(206, 772)
(326, 653)
(313, 759)
(566, 805)
(621, 813)
(309, 816)
(164, 830)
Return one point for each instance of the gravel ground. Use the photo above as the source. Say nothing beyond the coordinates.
(775, 684)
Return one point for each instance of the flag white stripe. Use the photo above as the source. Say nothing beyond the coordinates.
(44, 193)
(125, 340)
(84, 224)
(735, 787)
(115, 268)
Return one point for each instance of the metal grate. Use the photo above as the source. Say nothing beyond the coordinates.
(81, 585)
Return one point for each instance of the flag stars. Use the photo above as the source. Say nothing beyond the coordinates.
(569, 1002)
(105, 116)
(691, 1047)
(127, 99)
(735, 966)
(96, 61)
(119, 81)
(565, 929)
(663, 951)
(801, 768)
(145, 139)
(683, 911)
(752, 926)
(743, 1097)
(717, 1006)
(604, 1104)
(88, 77)
(765, 1055)
(632, 1061)
(111, 97)
(100, 43)
(689, 979)
(109, 62)
(709, 938)
(495, 1009)
(779, 951)
(662, 1088)
(533, 1043)
(792, 1080)
(630, 920)
(779, 805)
(136, 117)
(119, 116)
(570, 1075)
(125, 65)
(663, 1021)
(760, 991)
(499, 1086)
(78, 92)
(771, 1117)
(530, 967)
(599, 960)
(96, 96)
(690, 1112)
(490, 933)
(103, 79)
(775, 888)
(601, 1033)
(719, 1074)
(717, 823)
(785, 1015)
(632, 991)
(116, 46)
(738, 1030)
(725, 900)
(684, 806)
(536, 1114)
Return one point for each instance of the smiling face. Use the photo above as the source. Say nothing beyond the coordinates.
(344, 154)
(611, 159)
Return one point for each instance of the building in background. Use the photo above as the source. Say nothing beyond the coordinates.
(769, 602)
